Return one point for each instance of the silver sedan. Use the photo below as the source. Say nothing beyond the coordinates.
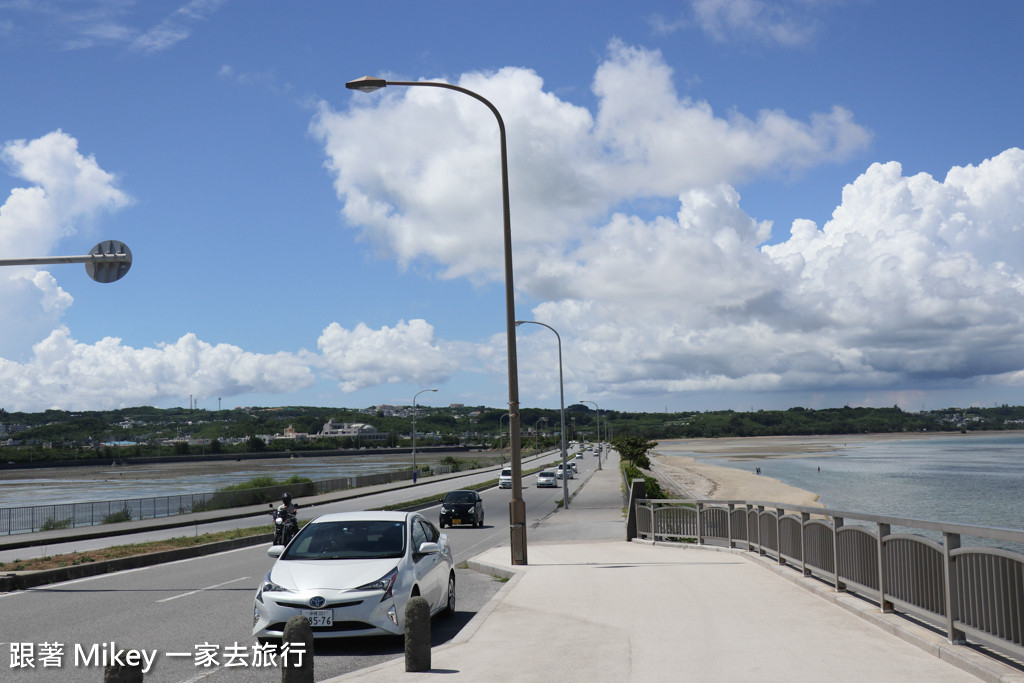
(352, 574)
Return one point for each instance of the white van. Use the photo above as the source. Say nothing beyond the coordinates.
(505, 478)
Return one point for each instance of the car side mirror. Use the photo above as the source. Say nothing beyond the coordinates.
(428, 548)
(275, 550)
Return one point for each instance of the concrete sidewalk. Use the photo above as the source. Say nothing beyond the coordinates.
(590, 606)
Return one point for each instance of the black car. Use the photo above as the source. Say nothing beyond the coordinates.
(464, 506)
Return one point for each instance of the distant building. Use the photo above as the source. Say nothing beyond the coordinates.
(291, 435)
(354, 429)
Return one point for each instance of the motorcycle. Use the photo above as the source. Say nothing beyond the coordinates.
(285, 525)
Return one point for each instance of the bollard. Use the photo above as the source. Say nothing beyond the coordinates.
(297, 651)
(417, 634)
(122, 673)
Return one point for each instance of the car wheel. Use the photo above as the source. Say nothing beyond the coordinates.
(481, 522)
(449, 609)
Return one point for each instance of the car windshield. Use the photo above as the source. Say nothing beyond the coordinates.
(460, 497)
(348, 540)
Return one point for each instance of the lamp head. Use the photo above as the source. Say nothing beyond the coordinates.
(366, 84)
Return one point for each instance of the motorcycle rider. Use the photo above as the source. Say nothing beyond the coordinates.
(288, 512)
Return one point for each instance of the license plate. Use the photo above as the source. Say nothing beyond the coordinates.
(319, 617)
(456, 521)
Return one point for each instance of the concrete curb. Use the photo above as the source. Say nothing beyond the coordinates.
(23, 580)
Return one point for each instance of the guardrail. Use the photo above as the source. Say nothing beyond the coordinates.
(69, 515)
(971, 593)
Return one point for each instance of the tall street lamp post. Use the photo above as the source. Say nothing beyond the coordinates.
(600, 449)
(414, 472)
(561, 402)
(516, 506)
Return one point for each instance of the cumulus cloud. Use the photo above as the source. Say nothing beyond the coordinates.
(409, 192)
(914, 281)
(64, 190)
(71, 375)
(363, 357)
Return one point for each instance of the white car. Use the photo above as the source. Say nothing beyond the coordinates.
(505, 478)
(546, 479)
(352, 574)
(567, 473)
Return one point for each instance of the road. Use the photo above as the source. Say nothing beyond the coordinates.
(193, 606)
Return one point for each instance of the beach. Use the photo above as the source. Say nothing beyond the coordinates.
(684, 476)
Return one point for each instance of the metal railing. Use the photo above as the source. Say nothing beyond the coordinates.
(971, 593)
(69, 515)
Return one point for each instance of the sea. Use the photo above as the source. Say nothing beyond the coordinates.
(975, 479)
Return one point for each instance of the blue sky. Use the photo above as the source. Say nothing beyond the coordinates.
(719, 204)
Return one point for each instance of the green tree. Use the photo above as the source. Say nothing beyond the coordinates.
(634, 449)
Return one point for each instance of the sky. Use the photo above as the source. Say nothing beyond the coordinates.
(718, 204)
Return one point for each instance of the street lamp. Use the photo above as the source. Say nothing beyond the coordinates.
(561, 401)
(516, 506)
(536, 433)
(599, 447)
(414, 431)
(108, 261)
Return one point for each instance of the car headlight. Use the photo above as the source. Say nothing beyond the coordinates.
(268, 585)
(443, 509)
(385, 583)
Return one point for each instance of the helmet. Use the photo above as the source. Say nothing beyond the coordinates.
(286, 499)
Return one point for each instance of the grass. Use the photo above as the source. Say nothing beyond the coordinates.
(118, 551)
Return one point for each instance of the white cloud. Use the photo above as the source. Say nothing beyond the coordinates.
(777, 22)
(85, 24)
(913, 282)
(67, 374)
(176, 27)
(363, 357)
(67, 189)
(437, 196)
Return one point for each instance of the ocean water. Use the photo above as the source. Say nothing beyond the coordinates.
(967, 480)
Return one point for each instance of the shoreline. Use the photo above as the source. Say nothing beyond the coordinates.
(675, 461)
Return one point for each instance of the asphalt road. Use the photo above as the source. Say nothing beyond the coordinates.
(204, 604)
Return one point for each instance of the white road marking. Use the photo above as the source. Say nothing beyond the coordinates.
(217, 585)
